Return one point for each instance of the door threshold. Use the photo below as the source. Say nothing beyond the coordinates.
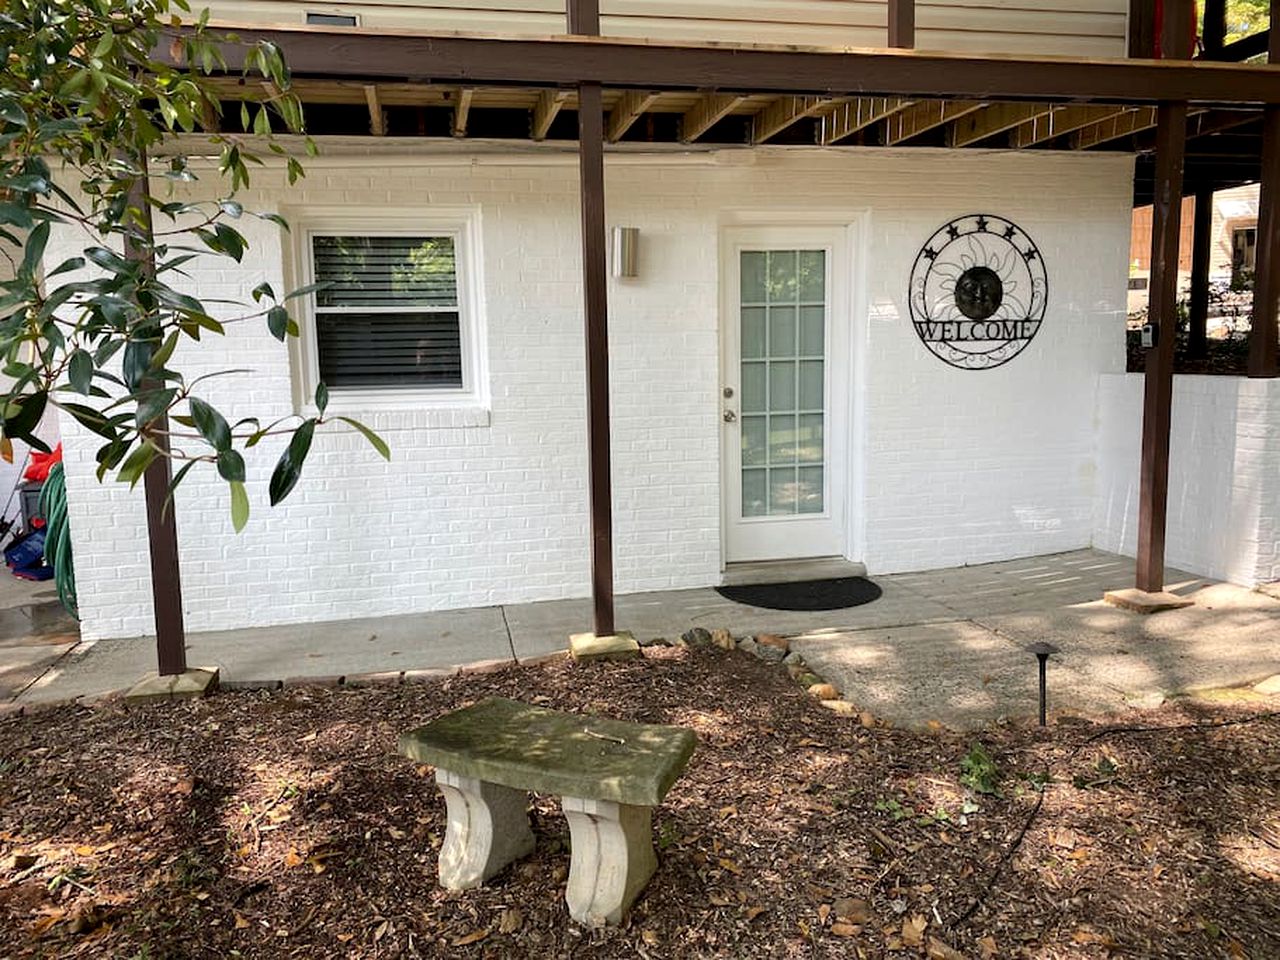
(790, 571)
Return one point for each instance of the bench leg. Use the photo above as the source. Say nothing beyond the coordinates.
(612, 858)
(488, 829)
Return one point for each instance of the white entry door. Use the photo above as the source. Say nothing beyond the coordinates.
(785, 396)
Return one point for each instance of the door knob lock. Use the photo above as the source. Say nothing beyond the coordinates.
(730, 416)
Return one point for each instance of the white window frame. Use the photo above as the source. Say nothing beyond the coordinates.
(463, 226)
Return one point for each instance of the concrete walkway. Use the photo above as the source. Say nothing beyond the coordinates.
(943, 644)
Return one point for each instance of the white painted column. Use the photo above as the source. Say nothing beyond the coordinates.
(488, 829)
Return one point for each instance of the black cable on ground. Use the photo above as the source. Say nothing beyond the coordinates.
(1008, 855)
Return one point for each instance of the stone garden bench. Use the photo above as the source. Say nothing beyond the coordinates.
(609, 775)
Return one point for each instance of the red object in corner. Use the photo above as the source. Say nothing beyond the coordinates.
(41, 464)
(1159, 52)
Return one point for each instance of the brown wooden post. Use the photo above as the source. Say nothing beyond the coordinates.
(1171, 135)
(1142, 29)
(1201, 239)
(1264, 348)
(584, 18)
(162, 530)
(1178, 30)
(1213, 35)
(902, 23)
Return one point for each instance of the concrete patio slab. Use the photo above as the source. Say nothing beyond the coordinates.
(959, 674)
(23, 665)
(946, 645)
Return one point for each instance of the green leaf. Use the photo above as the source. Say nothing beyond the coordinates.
(152, 403)
(230, 241)
(37, 240)
(93, 419)
(80, 371)
(262, 290)
(231, 466)
(289, 467)
(211, 424)
(322, 397)
(278, 322)
(239, 505)
(137, 362)
(309, 288)
(22, 415)
(135, 466)
(378, 443)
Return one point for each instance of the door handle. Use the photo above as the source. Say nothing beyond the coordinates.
(730, 416)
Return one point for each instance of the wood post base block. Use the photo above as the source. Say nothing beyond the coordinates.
(619, 646)
(488, 828)
(1142, 601)
(189, 685)
(612, 858)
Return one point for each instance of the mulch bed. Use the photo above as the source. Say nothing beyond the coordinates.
(1225, 358)
(285, 824)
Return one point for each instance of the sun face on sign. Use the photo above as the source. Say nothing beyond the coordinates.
(978, 292)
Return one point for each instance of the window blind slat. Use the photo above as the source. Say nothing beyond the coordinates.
(385, 271)
(404, 349)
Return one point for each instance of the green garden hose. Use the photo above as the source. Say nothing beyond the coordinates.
(57, 542)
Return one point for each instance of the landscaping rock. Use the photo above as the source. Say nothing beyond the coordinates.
(772, 640)
(748, 645)
(808, 679)
(852, 910)
(796, 670)
(723, 639)
(655, 642)
(793, 658)
(769, 654)
(697, 637)
(1270, 686)
(824, 691)
(843, 707)
(586, 647)
(867, 719)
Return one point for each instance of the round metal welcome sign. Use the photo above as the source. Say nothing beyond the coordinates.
(978, 291)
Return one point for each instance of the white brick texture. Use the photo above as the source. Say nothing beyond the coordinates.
(952, 466)
(1224, 474)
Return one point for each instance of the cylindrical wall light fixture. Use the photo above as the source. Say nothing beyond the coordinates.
(625, 246)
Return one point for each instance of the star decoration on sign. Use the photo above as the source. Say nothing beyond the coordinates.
(982, 224)
(953, 231)
(1010, 231)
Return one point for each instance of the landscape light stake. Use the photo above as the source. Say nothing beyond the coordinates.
(1042, 651)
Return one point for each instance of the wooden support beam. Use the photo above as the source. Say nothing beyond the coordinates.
(627, 111)
(550, 102)
(1057, 122)
(462, 110)
(921, 117)
(995, 119)
(1202, 238)
(1264, 335)
(640, 64)
(584, 17)
(1201, 242)
(1171, 129)
(1178, 29)
(1123, 124)
(1142, 29)
(162, 529)
(706, 113)
(902, 23)
(377, 115)
(782, 113)
(1213, 35)
(854, 115)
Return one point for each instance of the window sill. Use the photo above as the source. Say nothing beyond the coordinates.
(389, 419)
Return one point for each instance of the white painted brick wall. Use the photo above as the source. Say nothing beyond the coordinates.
(957, 466)
(1224, 474)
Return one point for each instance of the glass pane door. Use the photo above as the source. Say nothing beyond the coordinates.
(783, 381)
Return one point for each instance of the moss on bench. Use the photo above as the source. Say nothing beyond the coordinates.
(532, 748)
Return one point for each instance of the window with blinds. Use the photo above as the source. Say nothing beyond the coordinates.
(387, 315)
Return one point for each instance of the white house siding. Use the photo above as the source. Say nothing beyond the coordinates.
(952, 467)
(1082, 28)
(1224, 474)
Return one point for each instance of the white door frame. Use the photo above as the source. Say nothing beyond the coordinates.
(843, 436)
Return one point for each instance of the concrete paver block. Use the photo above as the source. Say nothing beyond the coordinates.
(193, 683)
(1269, 686)
(1146, 602)
(619, 646)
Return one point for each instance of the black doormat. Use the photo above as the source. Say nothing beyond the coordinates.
(835, 594)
